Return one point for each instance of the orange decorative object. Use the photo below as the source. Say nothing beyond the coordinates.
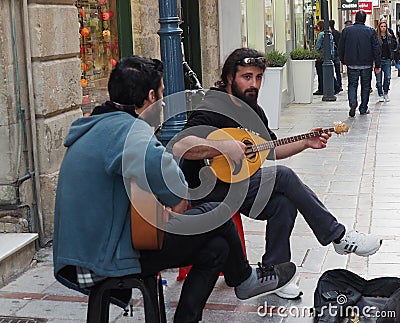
(113, 62)
(106, 35)
(85, 32)
(84, 67)
(105, 15)
(83, 82)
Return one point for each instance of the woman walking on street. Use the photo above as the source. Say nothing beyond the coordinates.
(388, 46)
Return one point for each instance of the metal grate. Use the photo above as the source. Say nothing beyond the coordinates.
(14, 319)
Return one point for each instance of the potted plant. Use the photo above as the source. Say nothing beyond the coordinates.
(270, 96)
(303, 73)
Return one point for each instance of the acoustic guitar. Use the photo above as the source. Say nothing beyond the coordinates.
(257, 151)
(148, 219)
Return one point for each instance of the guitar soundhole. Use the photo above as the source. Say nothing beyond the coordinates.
(250, 154)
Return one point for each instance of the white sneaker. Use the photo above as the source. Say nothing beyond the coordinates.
(291, 291)
(386, 97)
(359, 243)
(381, 98)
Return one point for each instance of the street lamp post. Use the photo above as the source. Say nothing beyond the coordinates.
(327, 65)
(171, 56)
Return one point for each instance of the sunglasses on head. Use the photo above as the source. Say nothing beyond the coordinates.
(252, 60)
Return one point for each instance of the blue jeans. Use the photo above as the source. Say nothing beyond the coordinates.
(386, 69)
(365, 76)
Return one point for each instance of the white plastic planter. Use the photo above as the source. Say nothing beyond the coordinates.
(303, 73)
(270, 96)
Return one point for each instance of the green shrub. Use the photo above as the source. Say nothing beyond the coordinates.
(302, 54)
(275, 59)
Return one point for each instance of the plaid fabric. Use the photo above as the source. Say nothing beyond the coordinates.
(87, 278)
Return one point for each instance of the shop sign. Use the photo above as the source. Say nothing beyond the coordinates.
(375, 3)
(349, 5)
(364, 5)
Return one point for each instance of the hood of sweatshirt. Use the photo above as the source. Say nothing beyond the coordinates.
(82, 125)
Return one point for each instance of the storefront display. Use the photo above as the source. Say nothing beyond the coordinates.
(99, 50)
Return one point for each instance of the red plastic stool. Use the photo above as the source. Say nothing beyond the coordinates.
(183, 271)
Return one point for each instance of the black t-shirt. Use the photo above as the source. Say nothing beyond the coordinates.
(220, 110)
(385, 53)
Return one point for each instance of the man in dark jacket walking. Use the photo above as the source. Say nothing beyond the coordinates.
(359, 49)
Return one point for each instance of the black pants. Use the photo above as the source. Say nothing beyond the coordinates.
(209, 253)
(318, 66)
(275, 195)
(320, 75)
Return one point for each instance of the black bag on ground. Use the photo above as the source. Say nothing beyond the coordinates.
(342, 296)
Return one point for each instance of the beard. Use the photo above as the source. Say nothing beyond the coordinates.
(249, 96)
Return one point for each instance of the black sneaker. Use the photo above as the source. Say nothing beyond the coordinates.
(266, 280)
(352, 112)
(318, 93)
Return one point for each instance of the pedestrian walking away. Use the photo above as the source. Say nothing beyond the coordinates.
(92, 225)
(388, 45)
(274, 194)
(359, 49)
(319, 46)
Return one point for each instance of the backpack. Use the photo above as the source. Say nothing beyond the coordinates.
(344, 297)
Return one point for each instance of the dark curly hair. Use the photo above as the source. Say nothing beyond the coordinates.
(132, 79)
(234, 60)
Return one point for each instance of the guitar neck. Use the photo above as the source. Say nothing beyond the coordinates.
(284, 141)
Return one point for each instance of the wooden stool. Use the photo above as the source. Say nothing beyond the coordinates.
(237, 219)
(150, 286)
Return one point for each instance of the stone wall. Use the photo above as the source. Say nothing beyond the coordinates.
(209, 36)
(8, 117)
(55, 70)
(145, 16)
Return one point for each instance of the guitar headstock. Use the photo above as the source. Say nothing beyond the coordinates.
(340, 127)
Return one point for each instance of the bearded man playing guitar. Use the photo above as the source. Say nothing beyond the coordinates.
(274, 194)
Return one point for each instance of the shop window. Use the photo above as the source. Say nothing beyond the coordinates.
(243, 5)
(99, 50)
(269, 25)
(300, 19)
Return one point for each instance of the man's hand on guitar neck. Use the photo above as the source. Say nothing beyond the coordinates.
(320, 141)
